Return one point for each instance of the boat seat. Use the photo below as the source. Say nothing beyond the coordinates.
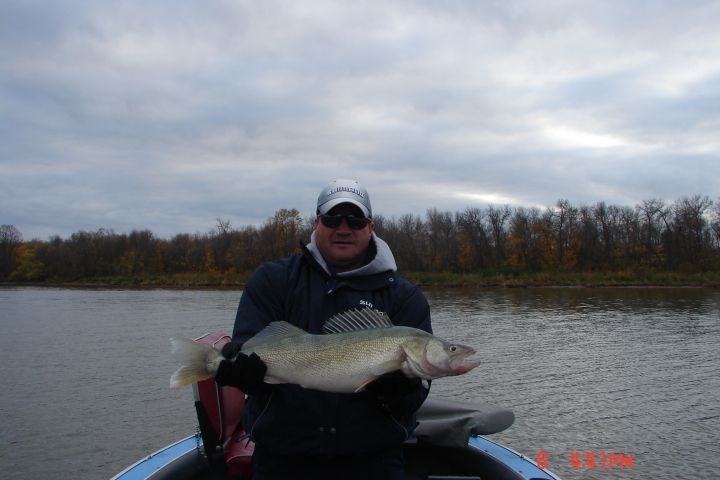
(450, 422)
(223, 407)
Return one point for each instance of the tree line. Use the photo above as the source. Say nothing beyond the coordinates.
(683, 236)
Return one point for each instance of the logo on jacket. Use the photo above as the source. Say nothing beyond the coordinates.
(365, 303)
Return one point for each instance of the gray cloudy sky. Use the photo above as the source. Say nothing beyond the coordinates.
(167, 115)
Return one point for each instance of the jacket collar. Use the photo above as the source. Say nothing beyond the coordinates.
(382, 260)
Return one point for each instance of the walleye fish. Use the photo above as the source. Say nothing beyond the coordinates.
(358, 346)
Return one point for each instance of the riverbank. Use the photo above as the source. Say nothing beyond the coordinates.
(424, 279)
(567, 279)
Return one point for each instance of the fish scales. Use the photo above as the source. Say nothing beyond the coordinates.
(359, 346)
(347, 360)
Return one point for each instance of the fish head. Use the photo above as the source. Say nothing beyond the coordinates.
(451, 358)
(439, 358)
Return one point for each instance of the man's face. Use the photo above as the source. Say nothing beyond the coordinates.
(343, 248)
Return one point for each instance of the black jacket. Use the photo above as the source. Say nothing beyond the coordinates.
(291, 420)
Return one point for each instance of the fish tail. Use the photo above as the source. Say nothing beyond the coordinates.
(196, 360)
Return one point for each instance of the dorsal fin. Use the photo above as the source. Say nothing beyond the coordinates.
(357, 319)
(273, 332)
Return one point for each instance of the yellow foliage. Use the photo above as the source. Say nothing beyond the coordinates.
(27, 266)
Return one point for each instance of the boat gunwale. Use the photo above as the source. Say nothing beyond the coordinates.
(511, 458)
(158, 460)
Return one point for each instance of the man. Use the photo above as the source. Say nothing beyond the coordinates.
(303, 433)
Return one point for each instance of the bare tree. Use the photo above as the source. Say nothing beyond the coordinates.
(654, 213)
(523, 240)
(715, 223)
(10, 239)
(497, 217)
(474, 243)
(564, 217)
(687, 237)
(441, 239)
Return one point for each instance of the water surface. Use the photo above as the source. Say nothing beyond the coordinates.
(586, 371)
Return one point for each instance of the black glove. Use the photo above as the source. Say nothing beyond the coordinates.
(392, 386)
(229, 350)
(245, 372)
(399, 395)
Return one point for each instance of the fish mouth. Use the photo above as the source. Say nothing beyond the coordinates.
(462, 363)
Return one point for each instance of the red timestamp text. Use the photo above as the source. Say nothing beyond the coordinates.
(590, 460)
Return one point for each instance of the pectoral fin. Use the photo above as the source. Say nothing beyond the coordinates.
(379, 370)
(362, 387)
(273, 380)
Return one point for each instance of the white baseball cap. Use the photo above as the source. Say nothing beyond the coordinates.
(344, 191)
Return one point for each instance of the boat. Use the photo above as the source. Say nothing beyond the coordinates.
(450, 442)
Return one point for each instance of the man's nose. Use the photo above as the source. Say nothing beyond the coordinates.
(344, 227)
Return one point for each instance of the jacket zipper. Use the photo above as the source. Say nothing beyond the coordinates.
(257, 420)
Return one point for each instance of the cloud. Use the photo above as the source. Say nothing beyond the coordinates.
(169, 115)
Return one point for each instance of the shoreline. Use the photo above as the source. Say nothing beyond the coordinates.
(237, 281)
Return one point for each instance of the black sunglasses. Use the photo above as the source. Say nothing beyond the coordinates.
(334, 221)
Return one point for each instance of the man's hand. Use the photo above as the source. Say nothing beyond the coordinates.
(391, 386)
(245, 372)
(229, 350)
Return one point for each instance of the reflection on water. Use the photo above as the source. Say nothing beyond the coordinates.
(587, 371)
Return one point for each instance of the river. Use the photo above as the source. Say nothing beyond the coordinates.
(588, 373)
